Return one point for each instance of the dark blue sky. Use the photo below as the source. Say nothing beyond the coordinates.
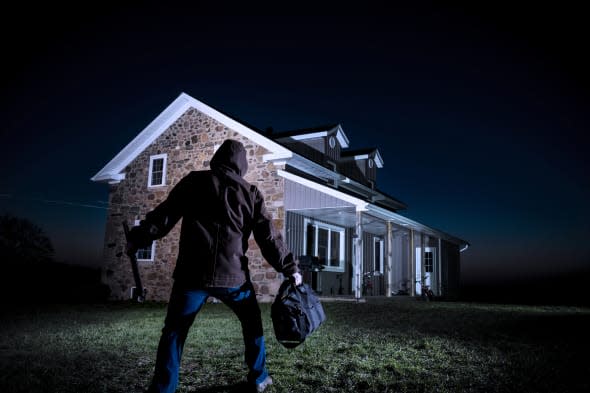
(480, 114)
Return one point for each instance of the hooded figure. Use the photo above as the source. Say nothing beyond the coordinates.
(219, 211)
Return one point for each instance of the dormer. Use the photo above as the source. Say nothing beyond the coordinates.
(361, 165)
(320, 144)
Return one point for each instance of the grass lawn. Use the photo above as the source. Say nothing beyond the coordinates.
(387, 345)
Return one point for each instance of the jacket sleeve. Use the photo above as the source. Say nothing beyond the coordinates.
(160, 221)
(271, 244)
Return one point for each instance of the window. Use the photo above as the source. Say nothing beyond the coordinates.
(327, 243)
(157, 172)
(428, 261)
(145, 254)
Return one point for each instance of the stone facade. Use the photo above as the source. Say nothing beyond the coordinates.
(189, 143)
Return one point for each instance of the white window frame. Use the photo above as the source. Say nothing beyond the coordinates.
(152, 159)
(153, 250)
(331, 228)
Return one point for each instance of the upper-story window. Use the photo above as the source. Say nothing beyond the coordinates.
(157, 172)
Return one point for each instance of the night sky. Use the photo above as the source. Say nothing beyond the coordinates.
(480, 115)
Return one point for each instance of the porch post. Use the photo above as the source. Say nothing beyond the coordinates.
(412, 264)
(422, 267)
(358, 255)
(389, 264)
(439, 268)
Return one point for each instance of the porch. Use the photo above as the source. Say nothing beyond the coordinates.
(361, 249)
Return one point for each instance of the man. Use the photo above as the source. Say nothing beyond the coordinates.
(219, 211)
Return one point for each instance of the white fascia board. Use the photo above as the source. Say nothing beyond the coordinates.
(144, 139)
(309, 136)
(341, 136)
(111, 178)
(408, 223)
(378, 159)
(358, 203)
(112, 172)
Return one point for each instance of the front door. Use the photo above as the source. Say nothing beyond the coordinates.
(424, 269)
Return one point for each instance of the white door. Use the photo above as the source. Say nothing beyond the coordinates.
(425, 267)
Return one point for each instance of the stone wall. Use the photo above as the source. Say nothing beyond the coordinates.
(189, 143)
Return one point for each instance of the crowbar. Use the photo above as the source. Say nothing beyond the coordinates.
(139, 294)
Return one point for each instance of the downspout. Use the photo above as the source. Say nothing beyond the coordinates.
(389, 264)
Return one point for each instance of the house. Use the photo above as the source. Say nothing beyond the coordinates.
(322, 195)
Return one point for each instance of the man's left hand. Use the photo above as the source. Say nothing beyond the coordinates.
(296, 279)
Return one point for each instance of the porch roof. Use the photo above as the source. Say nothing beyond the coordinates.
(374, 218)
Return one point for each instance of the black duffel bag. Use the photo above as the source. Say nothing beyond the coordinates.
(296, 313)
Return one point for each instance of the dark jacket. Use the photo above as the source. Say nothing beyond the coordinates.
(219, 212)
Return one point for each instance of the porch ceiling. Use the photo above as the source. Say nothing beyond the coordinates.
(345, 217)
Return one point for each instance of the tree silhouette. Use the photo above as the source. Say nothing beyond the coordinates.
(23, 242)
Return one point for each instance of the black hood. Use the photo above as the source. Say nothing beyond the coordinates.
(231, 156)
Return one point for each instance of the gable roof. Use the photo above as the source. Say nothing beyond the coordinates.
(360, 154)
(113, 171)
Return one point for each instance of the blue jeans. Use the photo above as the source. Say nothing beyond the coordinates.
(183, 307)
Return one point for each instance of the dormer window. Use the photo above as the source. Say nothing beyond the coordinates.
(157, 171)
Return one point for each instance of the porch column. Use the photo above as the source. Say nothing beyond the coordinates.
(358, 255)
(439, 268)
(422, 267)
(389, 263)
(412, 264)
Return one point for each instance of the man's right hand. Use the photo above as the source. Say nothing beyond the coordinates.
(136, 239)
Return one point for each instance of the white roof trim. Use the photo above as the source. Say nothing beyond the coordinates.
(113, 171)
(309, 136)
(358, 203)
(341, 136)
(408, 223)
(378, 159)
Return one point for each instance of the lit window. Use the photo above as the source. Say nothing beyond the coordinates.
(146, 254)
(157, 172)
(327, 243)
